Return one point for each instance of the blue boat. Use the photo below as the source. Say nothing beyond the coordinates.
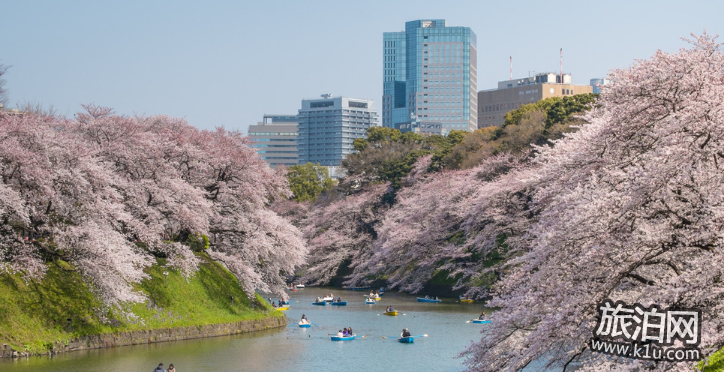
(323, 303)
(406, 340)
(341, 303)
(347, 338)
(359, 288)
(305, 325)
(480, 321)
(421, 299)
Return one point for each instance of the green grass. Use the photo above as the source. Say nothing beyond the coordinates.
(715, 362)
(35, 314)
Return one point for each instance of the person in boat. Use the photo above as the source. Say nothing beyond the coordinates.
(427, 297)
(387, 309)
(274, 304)
(319, 300)
(482, 316)
(304, 319)
(340, 334)
(437, 299)
(339, 299)
(390, 309)
(405, 333)
(349, 331)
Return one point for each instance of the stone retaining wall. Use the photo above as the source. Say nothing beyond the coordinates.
(158, 335)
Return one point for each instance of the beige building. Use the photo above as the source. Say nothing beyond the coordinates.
(493, 104)
(275, 139)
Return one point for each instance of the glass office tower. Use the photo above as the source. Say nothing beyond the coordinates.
(430, 75)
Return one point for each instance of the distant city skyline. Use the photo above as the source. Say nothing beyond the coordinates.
(229, 63)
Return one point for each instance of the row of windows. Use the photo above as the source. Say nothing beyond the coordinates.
(440, 103)
(273, 139)
(530, 91)
(272, 146)
(273, 134)
(444, 75)
(442, 82)
(442, 89)
(441, 111)
(275, 152)
(501, 106)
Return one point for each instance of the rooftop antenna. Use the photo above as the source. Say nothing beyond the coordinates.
(511, 67)
(561, 65)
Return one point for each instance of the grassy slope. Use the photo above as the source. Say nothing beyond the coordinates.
(34, 314)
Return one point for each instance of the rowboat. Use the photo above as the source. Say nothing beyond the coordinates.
(406, 340)
(341, 303)
(421, 299)
(359, 288)
(370, 302)
(300, 285)
(346, 338)
(319, 303)
(283, 308)
(466, 300)
(480, 321)
(391, 313)
(304, 325)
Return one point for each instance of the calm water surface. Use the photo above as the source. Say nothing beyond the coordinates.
(303, 349)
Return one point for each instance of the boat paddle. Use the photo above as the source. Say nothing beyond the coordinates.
(396, 337)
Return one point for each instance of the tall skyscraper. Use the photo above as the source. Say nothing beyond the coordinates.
(430, 76)
(329, 125)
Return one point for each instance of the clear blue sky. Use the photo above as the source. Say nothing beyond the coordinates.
(229, 63)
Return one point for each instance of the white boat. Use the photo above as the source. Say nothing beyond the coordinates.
(300, 285)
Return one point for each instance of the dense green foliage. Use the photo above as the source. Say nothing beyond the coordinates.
(197, 242)
(536, 123)
(387, 155)
(557, 109)
(35, 314)
(308, 181)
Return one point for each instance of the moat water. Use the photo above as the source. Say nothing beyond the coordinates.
(303, 349)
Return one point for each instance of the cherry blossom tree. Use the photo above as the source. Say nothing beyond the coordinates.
(340, 233)
(629, 208)
(107, 193)
(448, 221)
